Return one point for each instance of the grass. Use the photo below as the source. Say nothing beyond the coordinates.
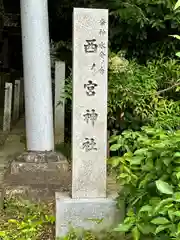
(23, 220)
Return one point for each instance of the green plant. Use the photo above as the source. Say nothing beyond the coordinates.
(148, 167)
(80, 234)
(143, 94)
(140, 94)
(22, 220)
(142, 27)
(177, 36)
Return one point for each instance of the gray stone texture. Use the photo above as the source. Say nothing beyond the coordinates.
(37, 175)
(16, 100)
(7, 107)
(90, 59)
(59, 101)
(96, 214)
(40, 157)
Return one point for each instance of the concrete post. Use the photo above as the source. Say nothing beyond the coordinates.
(59, 108)
(37, 75)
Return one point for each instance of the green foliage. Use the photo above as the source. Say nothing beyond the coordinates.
(22, 220)
(142, 27)
(177, 5)
(143, 94)
(148, 168)
(80, 234)
(140, 94)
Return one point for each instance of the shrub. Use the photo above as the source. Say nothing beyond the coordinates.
(148, 168)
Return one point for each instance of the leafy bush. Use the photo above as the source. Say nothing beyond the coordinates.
(142, 27)
(148, 168)
(140, 94)
(143, 94)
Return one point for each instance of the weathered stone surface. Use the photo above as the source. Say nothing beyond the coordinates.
(16, 106)
(50, 168)
(40, 157)
(7, 107)
(37, 176)
(34, 192)
(76, 212)
(85, 213)
(59, 108)
(39, 167)
(90, 60)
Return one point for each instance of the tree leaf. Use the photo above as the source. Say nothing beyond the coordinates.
(160, 221)
(162, 228)
(146, 228)
(123, 227)
(178, 54)
(123, 175)
(177, 154)
(135, 233)
(167, 161)
(176, 196)
(178, 175)
(178, 228)
(136, 160)
(164, 187)
(177, 5)
(161, 204)
(113, 139)
(115, 147)
(141, 151)
(114, 161)
(175, 36)
(177, 213)
(146, 208)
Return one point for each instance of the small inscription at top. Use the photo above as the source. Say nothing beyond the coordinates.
(102, 32)
(102, 21)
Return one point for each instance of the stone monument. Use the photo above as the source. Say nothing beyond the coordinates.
(7, 107)
(16, 100)
(59, 105)
(89, 199)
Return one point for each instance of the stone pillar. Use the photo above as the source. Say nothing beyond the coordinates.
(37, 75)
(40, 168)
(16, 106)
(89, 198)
(59, 101)
(7, 107)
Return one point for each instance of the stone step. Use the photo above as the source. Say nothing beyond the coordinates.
(33, 192)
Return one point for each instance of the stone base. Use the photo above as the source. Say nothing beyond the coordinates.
(85, 213)
(37, 175)
(39, 162)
